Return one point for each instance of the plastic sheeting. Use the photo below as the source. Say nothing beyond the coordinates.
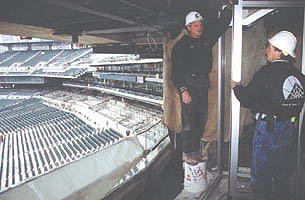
(89, 178)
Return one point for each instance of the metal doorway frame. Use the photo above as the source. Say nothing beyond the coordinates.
(236, 76)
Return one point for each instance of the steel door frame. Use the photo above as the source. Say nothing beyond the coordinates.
(236, 76)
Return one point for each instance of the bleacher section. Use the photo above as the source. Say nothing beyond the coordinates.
(38, 138)
(68, 56)
(6, 102)
(73, 71)
(43, 62)
(43, 57)
(6, 56)
(20, 58)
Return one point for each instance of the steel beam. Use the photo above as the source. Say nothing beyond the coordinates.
(125, 30)
(170, 7)
(136, 6)
(272, 4)
(73, 6)
(256, 16)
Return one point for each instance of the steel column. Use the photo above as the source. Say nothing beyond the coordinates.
(220, 118)
(235, 105)
(220, 109)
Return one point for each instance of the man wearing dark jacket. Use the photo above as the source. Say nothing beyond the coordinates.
(276, 95)
(191, 64)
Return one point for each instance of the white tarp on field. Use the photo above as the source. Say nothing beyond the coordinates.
(89, 178)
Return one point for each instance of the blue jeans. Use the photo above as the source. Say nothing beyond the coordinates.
(270, 166)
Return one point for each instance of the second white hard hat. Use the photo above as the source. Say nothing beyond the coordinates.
(285, 41)
(192, 17)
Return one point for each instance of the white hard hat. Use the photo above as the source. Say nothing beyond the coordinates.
(284, 41)
(192, 17)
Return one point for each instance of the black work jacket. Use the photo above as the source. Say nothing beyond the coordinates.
(194, 55)
(276, 89)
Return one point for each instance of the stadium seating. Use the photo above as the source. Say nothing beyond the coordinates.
(43, 57)
(39, 138)
(41, 62)
(19, 58)
(6, 56)
(68, 56)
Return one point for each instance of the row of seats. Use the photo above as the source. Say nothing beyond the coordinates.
(74, 71)
(68, 56)
(39, 138)
(34, 57)
(19, 58)
(42, 57)
(6, 56)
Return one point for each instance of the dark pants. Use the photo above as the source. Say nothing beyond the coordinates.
(270, 161)
(176, 145)
(194, 118)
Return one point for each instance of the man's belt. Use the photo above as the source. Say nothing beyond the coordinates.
(197, 80)
(199, 76)
(263, 116)
(269, 119)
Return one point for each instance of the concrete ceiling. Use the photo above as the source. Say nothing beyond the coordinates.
(97, 21)
(110, 23)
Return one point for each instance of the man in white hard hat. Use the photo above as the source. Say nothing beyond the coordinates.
(276, 95)
(191, 64)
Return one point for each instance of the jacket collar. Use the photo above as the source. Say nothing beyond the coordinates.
(281, 61)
